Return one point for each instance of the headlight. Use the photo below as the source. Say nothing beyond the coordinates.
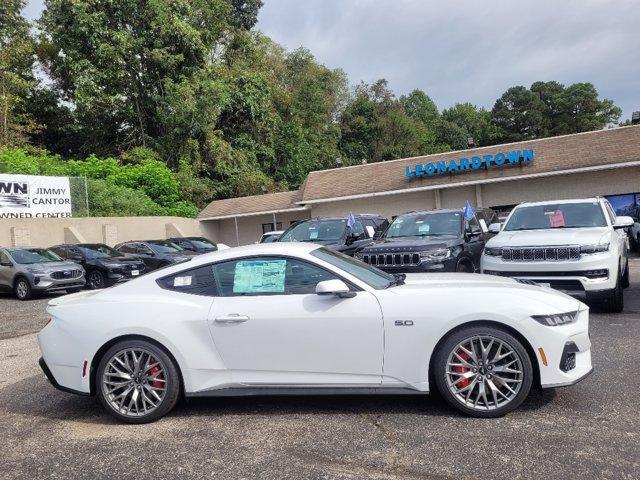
(112, 265)
(587, 249)
(437, 255)
(557, 319)
(493, 251)
(35, 270)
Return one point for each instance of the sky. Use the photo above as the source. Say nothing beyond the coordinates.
(465, 50)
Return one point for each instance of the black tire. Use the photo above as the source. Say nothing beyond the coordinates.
(172, 381)
(615, 302)
(464, 267)
(96, 280)
(625, 276)
(22, 289)
(446, 349)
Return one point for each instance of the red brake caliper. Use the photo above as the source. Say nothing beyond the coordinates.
(465, 381)
(152, 371)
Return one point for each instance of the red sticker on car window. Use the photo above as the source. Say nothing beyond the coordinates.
(556, 219)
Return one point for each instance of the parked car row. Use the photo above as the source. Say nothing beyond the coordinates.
(575, 246)
(69, 267)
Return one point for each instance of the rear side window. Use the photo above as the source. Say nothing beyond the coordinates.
(197, 281)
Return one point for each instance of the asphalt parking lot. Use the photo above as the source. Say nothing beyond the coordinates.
(591, 430)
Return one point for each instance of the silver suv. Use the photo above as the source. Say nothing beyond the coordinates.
(30, 271)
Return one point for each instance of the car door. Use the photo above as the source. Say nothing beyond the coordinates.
(271, 328)
(146, 254)
(474, 243)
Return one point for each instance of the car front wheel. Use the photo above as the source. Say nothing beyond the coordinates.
(137, 382)
(96, 280)
(22, 289)
(483, 371)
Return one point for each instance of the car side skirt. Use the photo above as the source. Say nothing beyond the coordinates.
(287, 390)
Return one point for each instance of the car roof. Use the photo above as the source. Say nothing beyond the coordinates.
(556, 202)
(426, 212)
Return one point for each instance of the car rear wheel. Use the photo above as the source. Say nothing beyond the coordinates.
(95, 280)
(137, 382)
(22, 289)
(483, 371)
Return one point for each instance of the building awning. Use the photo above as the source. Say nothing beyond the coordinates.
(269, 203)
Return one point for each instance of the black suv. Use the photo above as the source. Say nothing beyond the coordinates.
(435, 241)
(156, 253)
(334, 233)
(104, 266)
(195, 244)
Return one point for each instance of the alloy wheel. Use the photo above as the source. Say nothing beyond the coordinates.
(134, 382)
(22, 289)
(484, 373)
(96, 280)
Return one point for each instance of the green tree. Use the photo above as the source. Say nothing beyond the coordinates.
(419, 106)
(520, 115)
(113, 60)
(16, 74)
(476, 122)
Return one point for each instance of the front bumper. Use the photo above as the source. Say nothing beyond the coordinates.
(47, 284)
(425, 266)
(587, 278)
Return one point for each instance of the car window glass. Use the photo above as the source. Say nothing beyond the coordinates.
(425, 224)
(3, 257)
(358, 229)
(315, 230)
(197, 281)
(60, 251)
(561, 215)
(268, 276)
(29, 256)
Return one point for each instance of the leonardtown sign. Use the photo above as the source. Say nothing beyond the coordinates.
(499, 159)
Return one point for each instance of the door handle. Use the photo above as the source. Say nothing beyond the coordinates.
(232, 318)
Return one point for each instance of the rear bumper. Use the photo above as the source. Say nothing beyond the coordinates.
(53, 381)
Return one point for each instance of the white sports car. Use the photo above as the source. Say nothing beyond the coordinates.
(301, 319)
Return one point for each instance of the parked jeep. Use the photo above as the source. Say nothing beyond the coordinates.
(430, 241)
(335, 233)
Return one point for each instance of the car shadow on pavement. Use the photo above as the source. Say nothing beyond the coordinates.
(35, 397)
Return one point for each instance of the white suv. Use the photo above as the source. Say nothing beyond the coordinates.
(576, 246)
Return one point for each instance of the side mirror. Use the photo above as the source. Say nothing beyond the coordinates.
(6, 264)
(76, 259)
(495, 228)
(623, 222)
(371, 231)
(334, 287)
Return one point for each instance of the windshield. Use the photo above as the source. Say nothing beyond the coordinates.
(98, 251)
(29, 256)
(269, 237)
(368, 274)
(201, 243)
(562, 215)
(165, 246)
(426, 224)
(315, 231)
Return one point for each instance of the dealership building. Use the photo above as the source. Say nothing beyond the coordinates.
(600, 163)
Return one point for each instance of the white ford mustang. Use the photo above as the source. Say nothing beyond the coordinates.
(300, 319)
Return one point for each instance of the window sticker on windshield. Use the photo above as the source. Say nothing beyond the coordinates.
(556, 219)
(182, 281)
(313, 234)
(424, 228)
(259, 276)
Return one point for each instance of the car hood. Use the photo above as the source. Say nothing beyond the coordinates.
(122, 260)
(551, 237)
(52, 266)
(412, 244)
(504, 287)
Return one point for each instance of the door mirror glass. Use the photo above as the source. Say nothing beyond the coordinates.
(6, 264)
(623, 222)
(334, 287)
(495, 228)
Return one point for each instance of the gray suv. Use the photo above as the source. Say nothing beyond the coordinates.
(30, 271)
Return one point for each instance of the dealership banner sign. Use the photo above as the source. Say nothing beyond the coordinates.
(28, 196)
(465, 164)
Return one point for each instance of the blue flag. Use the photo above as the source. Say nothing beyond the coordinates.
(351, 221)
(468, 211)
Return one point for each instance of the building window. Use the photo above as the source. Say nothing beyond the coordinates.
(268, 227)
